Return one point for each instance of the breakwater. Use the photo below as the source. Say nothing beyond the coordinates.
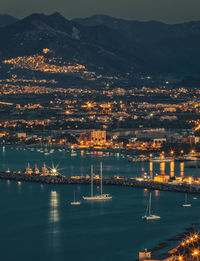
(112, 181)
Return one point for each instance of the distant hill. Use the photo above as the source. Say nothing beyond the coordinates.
(7, 20)
(108, 44)
(189, 82)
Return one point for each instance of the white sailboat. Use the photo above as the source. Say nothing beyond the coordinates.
(148, 215)
(75, 203)
(100, 197)
(186, 203)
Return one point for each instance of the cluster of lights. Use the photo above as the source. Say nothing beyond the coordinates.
(188, 249)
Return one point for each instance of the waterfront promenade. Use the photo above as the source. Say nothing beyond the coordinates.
(112, 181)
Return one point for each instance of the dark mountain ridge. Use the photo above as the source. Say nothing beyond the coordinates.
(108, 44)
(6, 20)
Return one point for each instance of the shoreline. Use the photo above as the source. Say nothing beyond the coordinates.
(167, 247)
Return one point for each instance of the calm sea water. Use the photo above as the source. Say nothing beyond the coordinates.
(37, 221)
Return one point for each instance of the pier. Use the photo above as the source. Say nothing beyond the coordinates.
(111, 181)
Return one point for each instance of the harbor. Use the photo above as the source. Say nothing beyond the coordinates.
(42, 187)
(61, 228)
(109, 181)
(60, 167)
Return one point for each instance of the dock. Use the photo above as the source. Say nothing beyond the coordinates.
(110, 181)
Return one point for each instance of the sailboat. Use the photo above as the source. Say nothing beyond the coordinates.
(148, 215)
(186, 203)
(100, 197)
(75, 203)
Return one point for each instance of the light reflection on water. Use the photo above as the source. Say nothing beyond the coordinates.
(54, 225)
(115, 165)
(53, 213)
(51, 229)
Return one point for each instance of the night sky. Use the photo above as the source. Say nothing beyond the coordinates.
(170, 11)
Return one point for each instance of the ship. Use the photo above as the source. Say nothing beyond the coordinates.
(100, 197)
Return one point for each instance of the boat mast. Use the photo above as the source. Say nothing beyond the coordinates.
(101, 178)
(91, 180)
(150, 204)
(74, 195)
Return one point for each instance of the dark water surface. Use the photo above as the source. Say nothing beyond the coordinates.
(37, 221)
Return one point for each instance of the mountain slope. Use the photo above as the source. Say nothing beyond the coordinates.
(107, 44)
(96, 47)
(7, 20)
(167, 48)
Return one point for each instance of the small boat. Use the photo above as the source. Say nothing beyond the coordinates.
(73, 153)
(195, 198)
(162, 159)
(148, 215)
(75, 203)
(101, 197)
(186, 203)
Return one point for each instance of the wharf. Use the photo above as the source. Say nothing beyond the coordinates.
(112, 181)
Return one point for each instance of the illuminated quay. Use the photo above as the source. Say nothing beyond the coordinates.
(161, 182)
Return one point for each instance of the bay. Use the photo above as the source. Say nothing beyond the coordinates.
(37, 221)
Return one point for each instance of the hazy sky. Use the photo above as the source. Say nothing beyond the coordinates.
(171, 11)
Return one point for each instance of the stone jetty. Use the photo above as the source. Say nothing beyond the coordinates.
(111, 181)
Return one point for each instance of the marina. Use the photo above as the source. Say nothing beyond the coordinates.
(78, 232)
(63, 229)
(60, 167)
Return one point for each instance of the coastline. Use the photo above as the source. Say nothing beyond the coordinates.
(167, 247)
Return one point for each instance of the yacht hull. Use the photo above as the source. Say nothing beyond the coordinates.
(75, 203)
(152, 217)
(187, 205)
(98, 198)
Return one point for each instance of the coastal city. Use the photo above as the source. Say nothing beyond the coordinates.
(157, 124)
(160, 114)
(99, 130)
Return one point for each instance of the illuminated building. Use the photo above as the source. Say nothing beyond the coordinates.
(3, 134)
(146, 256)
(98, 137)
(163, 178)
(21, 135)
(157, 143)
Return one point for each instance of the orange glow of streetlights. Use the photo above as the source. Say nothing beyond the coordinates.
(195, 252)
(89, 105)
